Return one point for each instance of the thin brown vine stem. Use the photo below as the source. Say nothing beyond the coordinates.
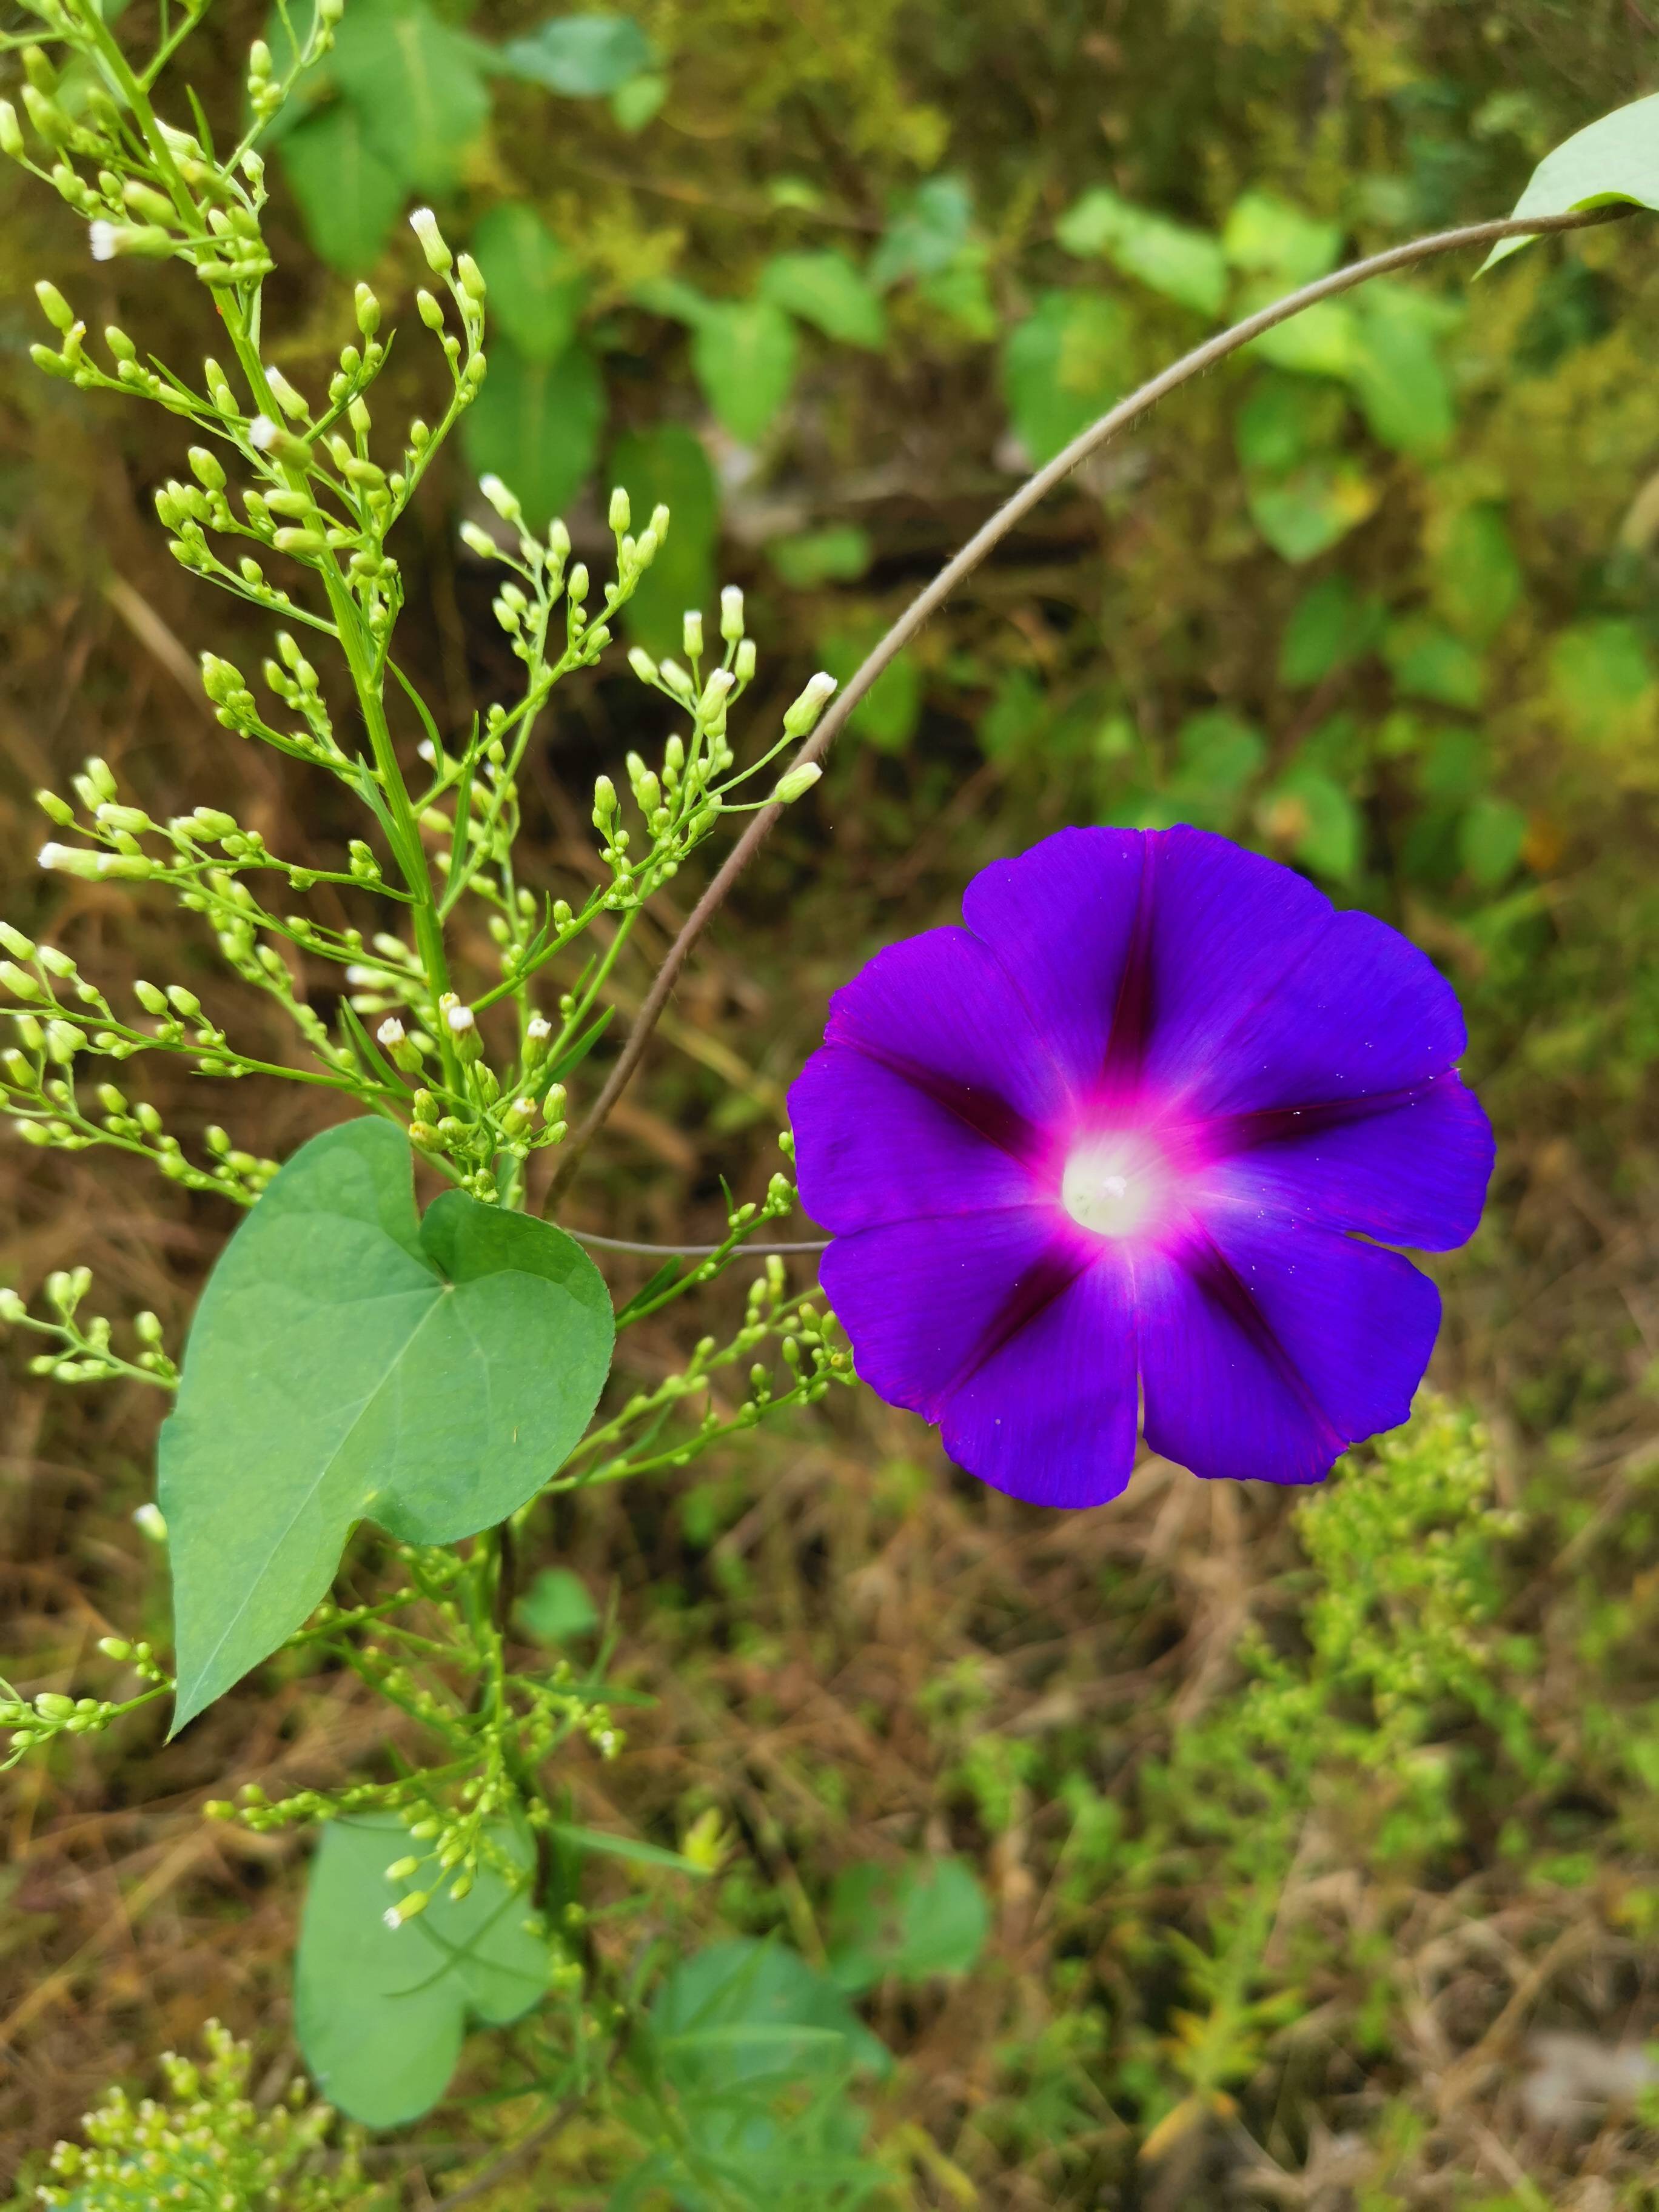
(691, 1251)
(984, 541)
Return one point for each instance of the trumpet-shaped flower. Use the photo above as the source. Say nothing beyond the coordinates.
(1126, 1149)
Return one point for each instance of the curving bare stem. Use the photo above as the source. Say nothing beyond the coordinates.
(983, 541)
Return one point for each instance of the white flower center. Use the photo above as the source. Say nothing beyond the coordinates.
(1113, 1184)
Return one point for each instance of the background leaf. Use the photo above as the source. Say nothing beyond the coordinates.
(1185, 264)
(381, 2012)
(743, 352)
(1268, 237)
(536, 424)
(913, 1922)
(925, 233)
(1614, 159)
(888, 713)
(416, 85)
(1310, 511)
(350, 1361)
(670, 464)
(827, 290)
(557, 1607)
(350, 199)
(741, 2010)
(1063, 366)
(583, 57)
(537, 286)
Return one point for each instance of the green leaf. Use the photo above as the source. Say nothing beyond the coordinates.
(827, 290)
(381, 2012)
(1063, 366)
(557, 1607)
(1268, 237)
(1602, 680)
(1283, 422)
(837, 554)
(1319, 821)
(537, 286)
(350, 1361)
(1018, 711)
(634, 104)
(583, 57)
(1324, 340)
(912, 1921)
(1478, 578)
(1330, 627)
(1429, 663)
(631, 1848)
(743, 352)
(417, 86)
(1613, 160)
(1403, 391)
(1218, 754)
(1309, 512)
(349, 199)
(536, 424)
(888, 713)
(1489, 840)
(742, 2010)
(925, 234)
(1186, 265)
(670, 464)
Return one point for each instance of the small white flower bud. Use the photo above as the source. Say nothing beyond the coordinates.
(620, 513)
(643, 664)
(743, 660)
(262, 434)
(148, 1522)
(730, 614)
(800, 718)
(101, 239)
(501, 499)
(794, 783)
(692, 633)
(424, 224)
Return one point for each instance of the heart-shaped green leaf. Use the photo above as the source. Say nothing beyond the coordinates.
(350, 1361)
(1613, 160)
(380, 2010)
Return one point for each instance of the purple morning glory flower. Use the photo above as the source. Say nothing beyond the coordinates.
(1123, 1142)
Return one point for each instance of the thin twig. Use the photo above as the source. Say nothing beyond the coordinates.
(687, 1251)
(990, 535)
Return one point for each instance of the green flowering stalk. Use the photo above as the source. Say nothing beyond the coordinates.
(289, 501)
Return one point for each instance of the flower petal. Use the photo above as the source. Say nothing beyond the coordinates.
(940, 1010)
(1060, 918)
(925, 1302)
(1266, 1350)
(871, 1148)
(1414, 1173)
(1364, 1012)
(1226, 928)
(1050, 1416)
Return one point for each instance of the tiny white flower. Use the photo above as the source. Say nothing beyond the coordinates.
(539, 1028)
(427, 751)
(261, 433)
(391, 1030)
(102, 241)
(358, 975)
(53, 856)
(459, 1019)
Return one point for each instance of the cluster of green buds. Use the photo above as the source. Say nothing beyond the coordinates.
(35, 1721)
(476, 1120)
(152, 204)
(81, 1348)
(208, 2144)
